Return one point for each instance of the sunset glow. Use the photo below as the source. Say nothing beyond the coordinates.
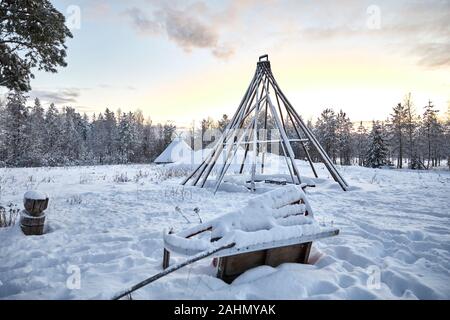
(183, 61)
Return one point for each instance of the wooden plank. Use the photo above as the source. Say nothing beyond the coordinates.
(268, 141)
(166, 259)
(289, 254)
(274, 244)
(231, 267)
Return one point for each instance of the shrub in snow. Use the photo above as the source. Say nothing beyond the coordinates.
(8, 215)
(121, 178)
(140, 175)
(166, 173)
(85, 179)
(74, 200)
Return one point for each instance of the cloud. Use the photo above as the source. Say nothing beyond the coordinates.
(191, 27)
(142, 23)
(187, 31)
(223, 52)
(62, 96)
(433, 54)
(115, 87)
(414, 29)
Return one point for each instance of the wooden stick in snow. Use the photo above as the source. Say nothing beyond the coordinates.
(171, 269)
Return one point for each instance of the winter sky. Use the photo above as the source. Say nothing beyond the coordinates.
(185, 60)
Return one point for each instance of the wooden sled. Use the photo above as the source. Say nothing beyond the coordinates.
(233, 255)
(233, 261)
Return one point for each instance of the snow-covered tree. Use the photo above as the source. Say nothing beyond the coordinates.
(325, 129)
(446, 136)
(222, 123)
(126, 137)
(71, 146)
(16, 130)
(2, 133)
(32, 36)
(432, 133)
(361, 143)
(207, 125)
(397, 132)
(52, 137)
(37, 130)
(411, 125)
(377, 152)
(344, 138)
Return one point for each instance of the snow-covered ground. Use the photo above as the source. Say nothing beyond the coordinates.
(394, 241)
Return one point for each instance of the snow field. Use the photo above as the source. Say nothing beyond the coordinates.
(108, 222)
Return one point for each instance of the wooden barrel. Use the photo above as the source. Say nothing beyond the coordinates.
(32, 225)
(35, 203)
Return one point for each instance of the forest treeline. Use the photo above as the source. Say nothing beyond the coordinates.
(35, 136)
(407, 138)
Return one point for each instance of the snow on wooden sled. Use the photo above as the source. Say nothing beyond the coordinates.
(274, 228)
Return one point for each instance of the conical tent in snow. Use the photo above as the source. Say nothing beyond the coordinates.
(263, 99)
(177, 150)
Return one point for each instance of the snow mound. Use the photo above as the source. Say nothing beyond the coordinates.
(35, 195)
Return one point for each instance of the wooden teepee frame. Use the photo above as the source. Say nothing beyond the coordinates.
(243, 130)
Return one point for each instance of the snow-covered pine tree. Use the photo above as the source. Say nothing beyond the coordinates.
(411, 125)
(446, 144)
(432, 132)
(326, 127)
(377, 151)
(71, 138)
(126, 137)
(138, 128)
(223, 122)
(2, 134)
(16, 130)
(32, 37)
(344, 138)
(169, 130)
(37, 128)
(361, 143)
(110, 135)
(52, 137)
(85, 131)
(99, 139)
(148, 142)
(397, 132)
(207, 126)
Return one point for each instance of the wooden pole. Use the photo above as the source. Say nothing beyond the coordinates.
(219, 149)
(308, 156)
(265, 131)
(263, 75)
(255, 145)
(171, 269)
(220, 178)
(248, 145)
(327, 161)
(230, 131)
(285, 141)
(227, 129)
